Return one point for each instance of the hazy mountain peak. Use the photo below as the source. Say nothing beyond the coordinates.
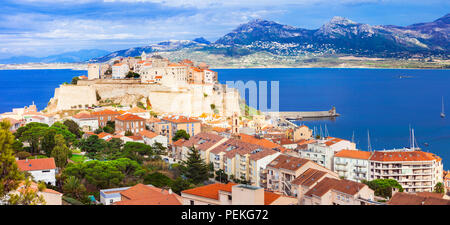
(341, 20)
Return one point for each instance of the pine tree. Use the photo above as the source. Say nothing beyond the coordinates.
(10, 175)
(195, 168)
(60, 152)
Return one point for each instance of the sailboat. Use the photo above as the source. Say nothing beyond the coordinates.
(442, 113)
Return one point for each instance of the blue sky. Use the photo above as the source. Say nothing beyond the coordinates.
(45, 27)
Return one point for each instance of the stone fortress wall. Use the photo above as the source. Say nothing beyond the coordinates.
(189, 99)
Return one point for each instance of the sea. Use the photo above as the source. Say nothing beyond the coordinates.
(384, 104)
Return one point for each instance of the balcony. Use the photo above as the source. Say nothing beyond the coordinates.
(341, 163)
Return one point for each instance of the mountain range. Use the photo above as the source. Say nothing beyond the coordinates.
(67, 57)
(338, 36)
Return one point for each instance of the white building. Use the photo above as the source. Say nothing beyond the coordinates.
(120, 70)
(352, 164)
(86, 121)
(209, 76)
(150, 138)
(40, 169)
(93, 71)
(416, 171)
(322, 151)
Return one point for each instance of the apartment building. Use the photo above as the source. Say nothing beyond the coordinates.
(332, 191)
(322, 150)
(233, 194)
(104, 116)
(241, 160)
(130, 122)
(415, 170)
(203, 142)
(352, 164)
(120, 70)
(305, 181)
(284, 169)
(175, 123)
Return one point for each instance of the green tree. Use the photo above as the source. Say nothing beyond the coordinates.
(60, 152)
(92, 144)
(181, 134)
(73, 128)
(108, 129)
(159, 149)
(74, 188)
(179, 185)
(17, 146)
(383, 187)
(157, 179)
(75, 80)
(48, 141)
(221, 176)
(439, 188)
(10, 176)
(27, 195)
(194, 168)
(137, 151)
(132, 74)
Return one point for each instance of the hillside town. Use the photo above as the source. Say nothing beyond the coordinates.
(112, 154)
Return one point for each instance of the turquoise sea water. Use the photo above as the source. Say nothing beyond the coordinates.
(367, 99)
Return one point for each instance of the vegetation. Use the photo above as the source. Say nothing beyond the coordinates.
(383, 187)
(132, 74)
(75, 80)
(221, 176)
(194, 168)
(60, 152)
(181, 134)
(439, 188)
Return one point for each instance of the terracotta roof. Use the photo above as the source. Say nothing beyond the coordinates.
(141, 194)
(134, 138)
(83, 116)
(270, 197)
(35, 187)
(210, 191)
(179, 142)
(231, 147)
(129, 117)
(203, 141)
(105, 112)
(354, 154)
(309, 177)
(220, 129)
(36, 164)
(148, 134)
(332, 141)
(259, 141)
(288, 162)
(103, 134)
(403, 156)
(180, 119)
(327, 184)
(402, 198)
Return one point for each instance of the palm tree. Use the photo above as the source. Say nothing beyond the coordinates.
(74, 187)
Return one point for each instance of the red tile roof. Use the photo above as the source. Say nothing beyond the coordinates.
(354, 154)
(36, 164)
(288, 162)
(309, 177)
(401, 198)
(404, 156)
(83, 116)
(327, 184)
(105, 112)
(202, 141)
(129, 117)
(141, 194)
(259, 141)
(180, 119)
(210, 191)
(148, 134)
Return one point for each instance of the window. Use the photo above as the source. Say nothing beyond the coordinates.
(192, 202)
(111, 201)
(229, 197)
(46, 171)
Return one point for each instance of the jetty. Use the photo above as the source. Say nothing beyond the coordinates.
(291, 115)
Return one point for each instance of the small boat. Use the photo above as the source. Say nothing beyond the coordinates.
(442, 113)
(404, 76)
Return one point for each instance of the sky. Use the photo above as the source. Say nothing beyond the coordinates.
(45, 27)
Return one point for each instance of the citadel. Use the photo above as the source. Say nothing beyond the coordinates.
(180, 88)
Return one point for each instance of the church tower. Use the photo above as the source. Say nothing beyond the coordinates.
(235, 124)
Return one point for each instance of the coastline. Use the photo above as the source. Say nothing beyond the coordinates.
(83, 66)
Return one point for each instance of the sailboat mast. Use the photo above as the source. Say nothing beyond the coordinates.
(369, 146)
